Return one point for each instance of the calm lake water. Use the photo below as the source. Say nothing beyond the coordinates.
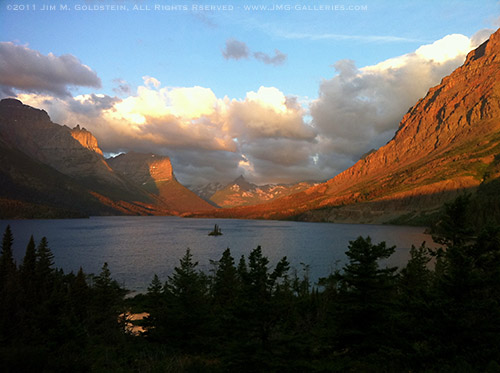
(138, 247)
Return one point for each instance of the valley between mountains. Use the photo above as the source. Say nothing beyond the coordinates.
(448, 143)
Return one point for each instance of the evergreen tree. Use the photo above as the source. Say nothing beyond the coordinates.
(225, 289)
(466, 304)
(28, 268)
(186, 319)
(43, 269)
(107, 302)
(7, 264)
(414, 309)
(454, 227)
(155, 305)
(366, 295)
(9, 289)
(260, 309)
(80, 293)
(225, 285)
(154, 289)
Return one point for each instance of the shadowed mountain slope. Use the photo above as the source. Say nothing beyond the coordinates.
(49, 170)
(154, 173)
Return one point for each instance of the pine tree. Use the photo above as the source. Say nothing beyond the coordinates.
(7, 264)
(187, 317)
(44, 264)
(414, 311)
(79, 296)
(106, 302)
(9, 289)
(28, 268)
(466, 303)
(366, 294)
(225, 283)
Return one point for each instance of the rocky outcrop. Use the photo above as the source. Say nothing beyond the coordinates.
(86, 139)
(154, 173)
(31, 131)
(143, 169)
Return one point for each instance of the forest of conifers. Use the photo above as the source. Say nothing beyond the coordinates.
(441, 313)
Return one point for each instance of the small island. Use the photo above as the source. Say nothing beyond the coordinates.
(216, 232)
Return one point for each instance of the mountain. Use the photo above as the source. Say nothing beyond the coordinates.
(155, 174)
(31, 189)
(205, 191)
(72, 152)
(447, 143)
(243, 193)
(49, 170)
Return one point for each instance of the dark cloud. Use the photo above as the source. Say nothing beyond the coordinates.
(199, 167)
(279, 58)
(236, 50)
(92, 105)
(28, 70)
(122, 87)
(6, 91)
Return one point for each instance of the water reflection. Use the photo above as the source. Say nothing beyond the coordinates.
(137, 247)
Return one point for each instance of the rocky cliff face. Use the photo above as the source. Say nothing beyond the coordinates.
(50, 170)
(465, 105)
(31, 131)
(143, 169)
(449, 141)
(86, 139)
(154, 173)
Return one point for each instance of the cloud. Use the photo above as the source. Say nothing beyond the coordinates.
(267, 113)
(206, 136)
(360, 108)
(343, 37)
(279, 58)
(267, 135)
(481, 36)
(28, 70)
(236, 50)
(122, 87)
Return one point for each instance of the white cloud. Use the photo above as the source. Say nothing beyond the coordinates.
(266, 135)
(360, 108)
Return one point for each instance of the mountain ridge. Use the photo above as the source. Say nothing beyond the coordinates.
(444, 145)
(241, 192)
(49, 170)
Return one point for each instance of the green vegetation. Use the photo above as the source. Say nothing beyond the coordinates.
(246, 316)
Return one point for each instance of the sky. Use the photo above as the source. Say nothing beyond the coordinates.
(277, 91)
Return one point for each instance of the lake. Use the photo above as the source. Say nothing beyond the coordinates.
(137, 247)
